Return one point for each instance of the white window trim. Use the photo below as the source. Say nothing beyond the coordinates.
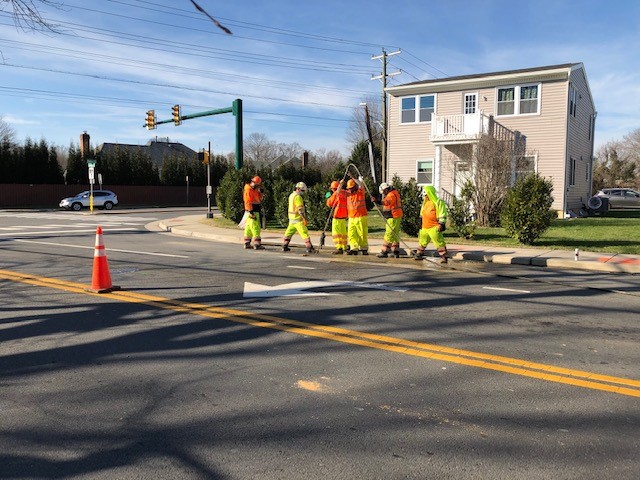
(573, 100)
(572, 171)
(464, 103)
(516, 99)
(433, 170)
(416, 118)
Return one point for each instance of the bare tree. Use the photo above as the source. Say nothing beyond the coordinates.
(27, 16)
(615, 166)
(492, 169)
(259, 149)
(7, 133)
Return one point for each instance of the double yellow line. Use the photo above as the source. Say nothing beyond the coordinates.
(550, 373)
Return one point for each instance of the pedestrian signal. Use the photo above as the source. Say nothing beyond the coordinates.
(150, 121)
(175, 110)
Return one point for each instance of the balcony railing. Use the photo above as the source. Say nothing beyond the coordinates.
(459, 128)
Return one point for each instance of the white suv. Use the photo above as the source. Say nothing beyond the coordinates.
(101, 199)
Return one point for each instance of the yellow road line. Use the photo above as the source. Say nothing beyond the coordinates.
(620, 385)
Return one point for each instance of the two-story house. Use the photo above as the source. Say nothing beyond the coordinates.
(434, 126)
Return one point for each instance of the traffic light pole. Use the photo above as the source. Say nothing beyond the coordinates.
(209, 189)
(236, 109)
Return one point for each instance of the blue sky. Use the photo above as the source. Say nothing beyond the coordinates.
(301, 68)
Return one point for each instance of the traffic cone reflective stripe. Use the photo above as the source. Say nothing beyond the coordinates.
(101, 278)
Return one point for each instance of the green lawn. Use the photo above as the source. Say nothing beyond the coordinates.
(615, 232)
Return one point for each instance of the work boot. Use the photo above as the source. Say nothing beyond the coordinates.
(285, 248)
(352, 252)
(258, 247)
(443, 259)
(365, 252)
(247, 245)
(311, 250)
(419, 256)
(339, 251)
(396, 253)
(383, 255)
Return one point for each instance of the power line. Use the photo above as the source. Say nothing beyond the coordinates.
(70, 53)
(168, 85)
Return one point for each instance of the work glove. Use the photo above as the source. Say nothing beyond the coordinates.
(327, 195)
(252, 215)
(442, 227)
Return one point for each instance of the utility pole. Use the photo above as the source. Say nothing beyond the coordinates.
(383, 77)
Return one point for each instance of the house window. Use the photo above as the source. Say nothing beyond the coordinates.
(506, 101)
(528, 100)
(425, 172)
(408, 110)
(572, 172)
(424, 111)
(427, 107)
(573, 100)
(523, 165)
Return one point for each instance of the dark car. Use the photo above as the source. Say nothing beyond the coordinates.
(620, 198)
(101, 199)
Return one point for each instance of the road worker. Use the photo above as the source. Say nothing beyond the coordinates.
(434, 221)
(392, 213)
(337, 201)
(297, 219)
(252, 197)
(357, 224)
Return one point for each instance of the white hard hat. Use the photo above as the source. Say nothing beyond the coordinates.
(302, 186)
(383, 187)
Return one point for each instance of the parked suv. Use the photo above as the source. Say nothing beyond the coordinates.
(620, 197)
(101, 199)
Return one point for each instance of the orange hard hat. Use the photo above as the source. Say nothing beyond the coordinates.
(335, 184)
(257, 180)
(351, 183)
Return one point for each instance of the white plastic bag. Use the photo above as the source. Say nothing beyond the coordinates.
(243, 222)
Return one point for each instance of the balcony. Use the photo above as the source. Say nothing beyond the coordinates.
(447, 129)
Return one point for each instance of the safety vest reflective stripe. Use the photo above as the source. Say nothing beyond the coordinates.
(356, 204)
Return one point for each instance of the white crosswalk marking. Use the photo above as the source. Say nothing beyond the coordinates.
(67, 222)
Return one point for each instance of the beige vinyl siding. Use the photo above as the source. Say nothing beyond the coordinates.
(410, 143)
(545, 135)
(579, 144)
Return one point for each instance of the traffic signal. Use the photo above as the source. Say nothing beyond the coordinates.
(150, 122)
(175, 110)
(203, 157)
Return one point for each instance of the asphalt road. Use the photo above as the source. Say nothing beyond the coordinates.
(206, 365)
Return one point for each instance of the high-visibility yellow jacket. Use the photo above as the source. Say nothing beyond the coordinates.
(296, 207)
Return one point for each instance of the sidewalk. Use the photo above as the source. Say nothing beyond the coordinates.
(194, 226)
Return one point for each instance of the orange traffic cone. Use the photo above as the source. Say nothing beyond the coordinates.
(101, 278)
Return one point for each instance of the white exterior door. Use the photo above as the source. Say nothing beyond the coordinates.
(461, 174)
(470, 110)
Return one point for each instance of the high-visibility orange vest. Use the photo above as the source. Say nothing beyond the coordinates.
(252, 198)
(428, 214)
(392, 205)
(356, 204)
(338, 201)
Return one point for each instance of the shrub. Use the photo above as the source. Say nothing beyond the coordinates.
(229, 195)
(460, 216)
(526, 213)
(411, 205)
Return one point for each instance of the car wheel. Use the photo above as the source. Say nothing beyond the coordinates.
(108, 205)
(77, 206)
